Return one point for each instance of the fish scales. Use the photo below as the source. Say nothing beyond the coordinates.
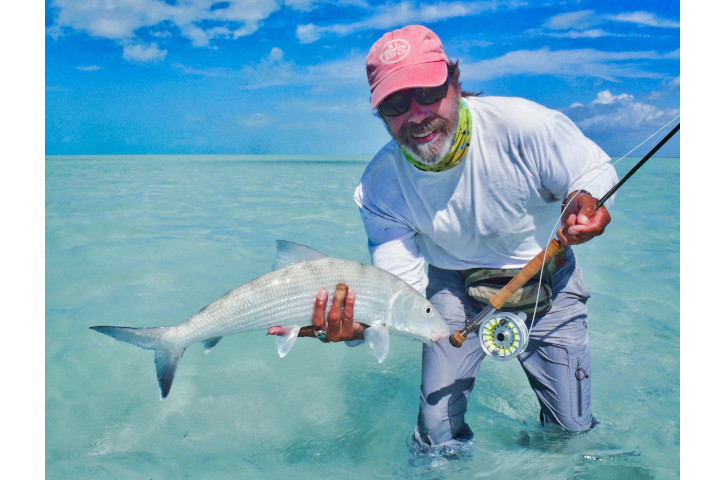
(286, 297)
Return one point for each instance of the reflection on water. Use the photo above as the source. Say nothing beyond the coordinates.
(148, 241)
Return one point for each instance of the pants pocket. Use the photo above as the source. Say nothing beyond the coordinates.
(580, 390)
(561, 378)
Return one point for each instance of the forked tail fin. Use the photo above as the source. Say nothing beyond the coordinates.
(150, 339)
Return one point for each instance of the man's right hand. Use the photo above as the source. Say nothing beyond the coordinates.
(581, 220)
(339, 325)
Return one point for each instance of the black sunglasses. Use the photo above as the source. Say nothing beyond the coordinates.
(399, 103)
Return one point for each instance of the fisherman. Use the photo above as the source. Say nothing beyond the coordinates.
(474, 186)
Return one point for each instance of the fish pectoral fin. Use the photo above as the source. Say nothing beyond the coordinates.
(285, 342)
(210, 343)
(378, 337)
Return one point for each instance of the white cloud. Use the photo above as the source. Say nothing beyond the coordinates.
(308, 5)
(274, 69)
(200, 21)
(592, 33)
(566, 21)
(308, 33)
(631, 116)
(619, 112)
(108, 18)
(143, 53)
(393, 15)
(645, 18)
(580, 24)
(579, 62)
(208, 72)
(276, 54)
(270, 71)
(606, 97)
(675, 54)
(88, 68)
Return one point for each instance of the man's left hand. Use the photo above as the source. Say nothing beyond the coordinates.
(581, 220)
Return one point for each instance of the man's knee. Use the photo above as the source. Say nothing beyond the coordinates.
(441, 413)
(561, 378)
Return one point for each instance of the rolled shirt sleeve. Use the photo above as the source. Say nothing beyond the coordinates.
(392, 244)
(574, 162)
(498, 208)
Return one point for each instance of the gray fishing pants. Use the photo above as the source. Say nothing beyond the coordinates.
(556, 361)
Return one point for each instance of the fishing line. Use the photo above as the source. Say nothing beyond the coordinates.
(503, 335)
(643, 142)
(557, 224)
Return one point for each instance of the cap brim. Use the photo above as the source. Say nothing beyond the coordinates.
(429, 74)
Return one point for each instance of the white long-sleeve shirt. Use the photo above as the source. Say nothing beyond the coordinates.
(498, 208)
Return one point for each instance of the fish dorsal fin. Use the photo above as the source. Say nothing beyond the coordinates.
(285, 342)
(378, 337)
(289, 253)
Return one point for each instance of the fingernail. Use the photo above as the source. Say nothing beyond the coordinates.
(321, 294)
(350, 293)
(339, 296)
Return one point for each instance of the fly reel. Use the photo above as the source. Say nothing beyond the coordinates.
(504, 335)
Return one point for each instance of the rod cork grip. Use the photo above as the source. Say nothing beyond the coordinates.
(527, 273)
(457, 339)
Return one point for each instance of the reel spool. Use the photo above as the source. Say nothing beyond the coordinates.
(504, 335)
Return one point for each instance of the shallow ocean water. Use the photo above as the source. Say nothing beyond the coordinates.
(149, 240)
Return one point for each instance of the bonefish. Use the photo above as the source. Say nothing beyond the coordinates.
(285, 297)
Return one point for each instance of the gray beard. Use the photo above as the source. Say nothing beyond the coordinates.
(431, 153)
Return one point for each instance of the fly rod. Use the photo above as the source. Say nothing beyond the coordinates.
(532, 268)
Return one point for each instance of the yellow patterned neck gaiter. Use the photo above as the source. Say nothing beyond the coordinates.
(458, 149)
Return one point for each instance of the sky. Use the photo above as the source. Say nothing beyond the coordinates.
(288, 76)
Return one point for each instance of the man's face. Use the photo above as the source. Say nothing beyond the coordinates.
(427, 131)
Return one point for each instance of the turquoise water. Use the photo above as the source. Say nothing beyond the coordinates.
(149, 240)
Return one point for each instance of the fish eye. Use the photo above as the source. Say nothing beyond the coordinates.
(427, 310)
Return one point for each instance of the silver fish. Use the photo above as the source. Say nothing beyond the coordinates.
(285, 297)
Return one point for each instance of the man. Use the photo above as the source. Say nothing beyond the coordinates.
(473, 186)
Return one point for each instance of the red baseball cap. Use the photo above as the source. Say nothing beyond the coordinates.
(410, 57)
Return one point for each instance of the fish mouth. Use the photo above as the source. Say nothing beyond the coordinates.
(437, 336)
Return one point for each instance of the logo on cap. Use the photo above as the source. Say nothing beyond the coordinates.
(395, 51)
